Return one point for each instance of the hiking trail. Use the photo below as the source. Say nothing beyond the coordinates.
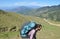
(51, 23)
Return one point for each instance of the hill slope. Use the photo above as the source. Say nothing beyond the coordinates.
(52, 13)
(12, 22)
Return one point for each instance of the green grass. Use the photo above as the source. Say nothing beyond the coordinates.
(49, 32)
(12, 19)
(8, 35)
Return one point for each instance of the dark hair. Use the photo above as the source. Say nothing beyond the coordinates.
(37, 25)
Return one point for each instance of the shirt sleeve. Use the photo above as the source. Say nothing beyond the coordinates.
(31, 34)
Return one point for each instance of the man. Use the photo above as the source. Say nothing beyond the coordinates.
(32, 33)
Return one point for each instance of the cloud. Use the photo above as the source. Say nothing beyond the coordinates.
(30, 4)
(27, 4)
(20, 3)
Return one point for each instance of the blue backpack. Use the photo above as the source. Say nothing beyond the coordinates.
(26, 27)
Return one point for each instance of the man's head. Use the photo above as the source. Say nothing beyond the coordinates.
(38, 27)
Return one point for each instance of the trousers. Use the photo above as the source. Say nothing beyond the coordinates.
(27, 38)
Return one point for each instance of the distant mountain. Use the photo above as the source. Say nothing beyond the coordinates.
(2, 12)
(23, 9)
(48, 12)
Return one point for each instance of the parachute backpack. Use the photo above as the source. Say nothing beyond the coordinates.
(28, 26)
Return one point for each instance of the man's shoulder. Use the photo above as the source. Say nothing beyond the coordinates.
(33, 30)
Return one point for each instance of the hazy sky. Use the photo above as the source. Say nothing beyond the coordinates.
(12, 3)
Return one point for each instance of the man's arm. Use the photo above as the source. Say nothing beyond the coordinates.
(34, 36)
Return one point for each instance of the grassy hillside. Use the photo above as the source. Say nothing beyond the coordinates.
(10, 23)
(52, 13)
